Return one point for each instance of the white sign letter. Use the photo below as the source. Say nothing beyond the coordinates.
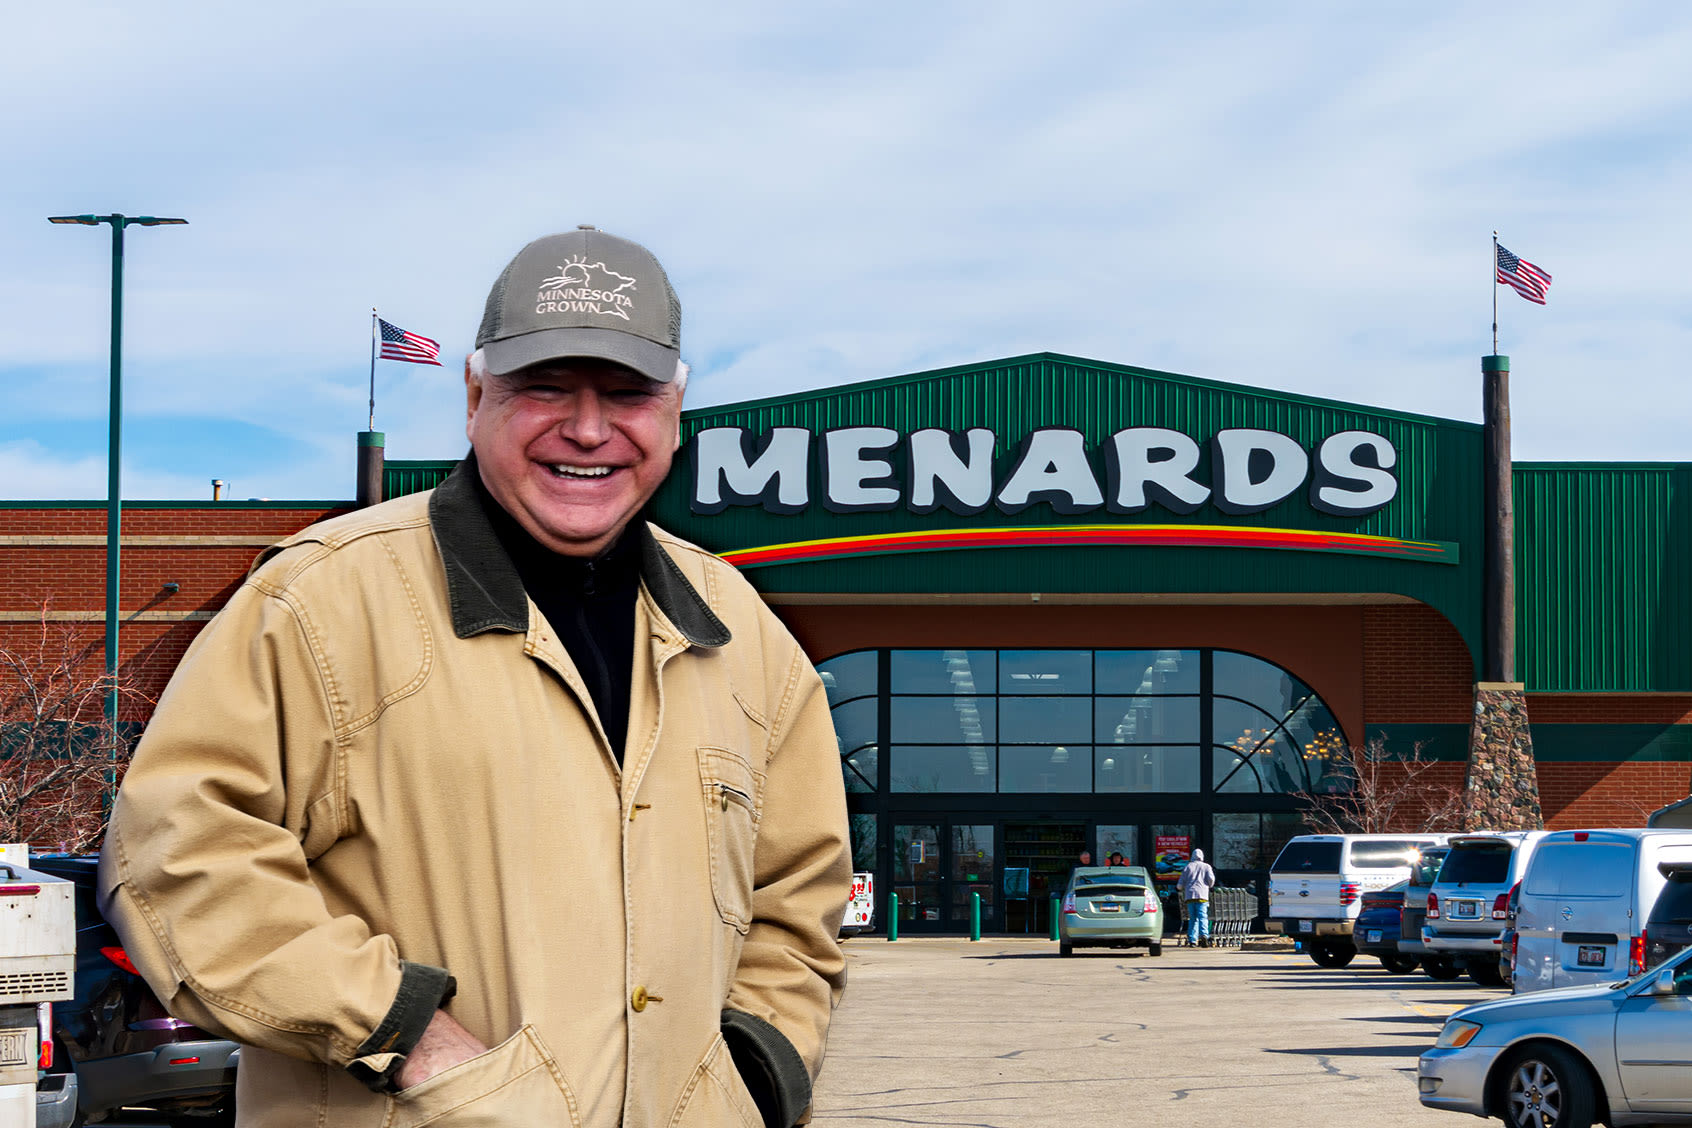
(1053, 468)
(728, 470)
(851, 482)
(1153, 465)
(942, 477)
(1255, 470)
(1353, 474)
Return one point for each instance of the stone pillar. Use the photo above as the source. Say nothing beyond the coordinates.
(1501, 785)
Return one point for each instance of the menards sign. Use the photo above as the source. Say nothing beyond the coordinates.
(880, 470)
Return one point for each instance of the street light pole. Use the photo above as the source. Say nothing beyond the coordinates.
(114, 448)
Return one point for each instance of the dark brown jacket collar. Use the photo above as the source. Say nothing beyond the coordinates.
(485, 592)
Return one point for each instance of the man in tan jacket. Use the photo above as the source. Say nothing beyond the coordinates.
(502, 765)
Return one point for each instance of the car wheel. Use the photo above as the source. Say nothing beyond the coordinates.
(1156, 949)
(1400, 964)
(1486, 973)
(1440, 968)
(1328, 954)
(1546, 1087)
(1065, 948)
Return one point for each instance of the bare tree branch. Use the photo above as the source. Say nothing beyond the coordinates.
(1388, 794)
(61, 759)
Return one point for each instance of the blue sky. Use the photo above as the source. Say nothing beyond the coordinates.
(1297, 196)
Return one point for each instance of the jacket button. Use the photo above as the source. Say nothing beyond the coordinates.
(640, 998)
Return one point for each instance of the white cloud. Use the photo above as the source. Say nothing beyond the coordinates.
(1300, 198)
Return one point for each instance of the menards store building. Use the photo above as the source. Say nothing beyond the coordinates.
(1061, 604)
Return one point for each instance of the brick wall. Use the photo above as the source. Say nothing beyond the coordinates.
(1416, 669)
(55, 559)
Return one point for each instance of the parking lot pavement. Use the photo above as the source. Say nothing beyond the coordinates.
(1004, 1034)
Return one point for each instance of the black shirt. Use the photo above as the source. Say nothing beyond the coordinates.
(589, 602)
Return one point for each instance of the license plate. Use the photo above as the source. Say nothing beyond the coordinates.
(1108, 907)
(1465, 910)
(1305, 925)
(1373, 936)
(1592, 956)
(14, 1047)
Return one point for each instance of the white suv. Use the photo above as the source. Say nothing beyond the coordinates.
(1317, 883)
(1469, 904)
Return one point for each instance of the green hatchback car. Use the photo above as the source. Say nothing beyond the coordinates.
(1110, 907)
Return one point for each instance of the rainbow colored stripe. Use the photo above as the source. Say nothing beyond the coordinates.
(1062, 536)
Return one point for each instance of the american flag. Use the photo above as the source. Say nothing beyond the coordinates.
(397, 344)
(1522, 276)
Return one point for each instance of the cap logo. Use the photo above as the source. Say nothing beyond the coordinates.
(586, 287)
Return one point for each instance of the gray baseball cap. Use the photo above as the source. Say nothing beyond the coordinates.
(583, 293)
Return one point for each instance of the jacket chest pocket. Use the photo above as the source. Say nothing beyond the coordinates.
(733, 791)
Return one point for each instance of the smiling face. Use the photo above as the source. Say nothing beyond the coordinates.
(572, 449)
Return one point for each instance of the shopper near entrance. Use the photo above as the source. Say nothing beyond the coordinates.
(502, 765)
(1195, 883)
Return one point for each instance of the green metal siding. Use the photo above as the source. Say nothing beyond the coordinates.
(401, 477)
(1439, 462)
(1604, 576)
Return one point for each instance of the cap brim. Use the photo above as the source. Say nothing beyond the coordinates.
(650, 359)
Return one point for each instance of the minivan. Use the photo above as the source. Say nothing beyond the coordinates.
(1585, 903)
(1316, 886)
(1668, 930)
(1469, 903)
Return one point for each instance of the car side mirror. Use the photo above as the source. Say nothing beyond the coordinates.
(1663, 984)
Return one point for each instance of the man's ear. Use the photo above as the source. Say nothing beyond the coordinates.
(472, 397)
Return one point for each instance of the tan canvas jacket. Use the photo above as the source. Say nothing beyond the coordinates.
(378, 767)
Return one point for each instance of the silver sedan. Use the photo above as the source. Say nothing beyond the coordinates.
(1618, 1052)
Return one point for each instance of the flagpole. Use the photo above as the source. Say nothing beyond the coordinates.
(1495, 293)
(374, 335)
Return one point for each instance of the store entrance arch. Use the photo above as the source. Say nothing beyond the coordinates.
(985, 773)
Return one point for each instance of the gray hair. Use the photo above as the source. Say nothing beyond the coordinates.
(478, 362)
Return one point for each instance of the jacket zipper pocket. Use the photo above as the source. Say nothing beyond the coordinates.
(738, 796)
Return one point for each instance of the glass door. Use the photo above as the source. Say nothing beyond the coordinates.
(917, 876)
(1041, 855)
(972, 869)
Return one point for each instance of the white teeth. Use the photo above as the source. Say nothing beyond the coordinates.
(564, 471)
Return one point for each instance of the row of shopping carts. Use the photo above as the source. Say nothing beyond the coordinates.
(1231, 914)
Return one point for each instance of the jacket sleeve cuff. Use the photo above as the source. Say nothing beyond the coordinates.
(772, 1069)
(422, 990)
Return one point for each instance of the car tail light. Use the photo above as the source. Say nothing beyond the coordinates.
(1069, 904)
(1501, 906)
(185, 1061)
(44, 1025)
(1515, 939)
(1636, 955)
(121, 958)
(1151, 903)
(1433, 906)
(1349, 892)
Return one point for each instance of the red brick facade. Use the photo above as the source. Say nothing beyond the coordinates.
(1393, 664)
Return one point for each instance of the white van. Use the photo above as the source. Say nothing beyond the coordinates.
(1583, 905)
(1316, 886)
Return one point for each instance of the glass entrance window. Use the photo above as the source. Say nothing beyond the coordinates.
(1073, 721)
